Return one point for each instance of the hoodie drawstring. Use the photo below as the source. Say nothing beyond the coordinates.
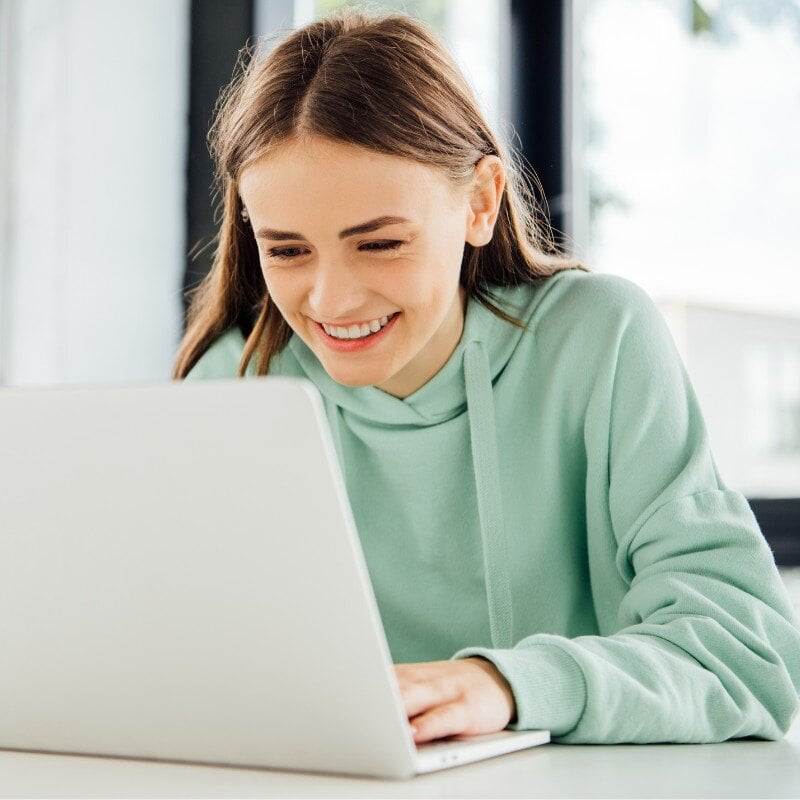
(483, 441)
(336, 423)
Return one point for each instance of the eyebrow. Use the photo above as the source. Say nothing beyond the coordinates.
(364, 227)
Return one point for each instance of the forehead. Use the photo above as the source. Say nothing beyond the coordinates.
(318, 171)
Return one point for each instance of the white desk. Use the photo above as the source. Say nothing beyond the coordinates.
(743, 768)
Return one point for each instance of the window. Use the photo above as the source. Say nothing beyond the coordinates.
(687, 181)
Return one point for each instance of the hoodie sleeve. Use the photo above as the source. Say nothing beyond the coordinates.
(705, 646)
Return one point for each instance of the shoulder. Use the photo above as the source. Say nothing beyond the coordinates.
(593, 305)
(593, 294)
(589, 323)
(221, 360)
(611, 329)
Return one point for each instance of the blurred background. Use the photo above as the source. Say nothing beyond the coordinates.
(665, 134)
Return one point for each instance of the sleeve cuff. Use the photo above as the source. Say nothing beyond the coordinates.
(548, 685)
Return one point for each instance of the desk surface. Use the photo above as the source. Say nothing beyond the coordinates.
(740, 768)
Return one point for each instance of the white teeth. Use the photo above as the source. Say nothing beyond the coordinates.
(356, 331)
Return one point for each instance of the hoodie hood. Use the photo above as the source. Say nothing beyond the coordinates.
(445, 394)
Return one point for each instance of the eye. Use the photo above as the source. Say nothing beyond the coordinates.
(393, 245)
(288, 253)
(282, 252)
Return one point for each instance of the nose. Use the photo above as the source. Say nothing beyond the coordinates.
(336, 292)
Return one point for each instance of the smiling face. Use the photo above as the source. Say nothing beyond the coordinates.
(365, 246)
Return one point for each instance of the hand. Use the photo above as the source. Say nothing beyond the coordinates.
(446, 698)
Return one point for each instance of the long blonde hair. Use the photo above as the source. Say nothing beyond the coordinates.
(383, 82)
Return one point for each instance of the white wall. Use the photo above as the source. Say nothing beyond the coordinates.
(92, 178)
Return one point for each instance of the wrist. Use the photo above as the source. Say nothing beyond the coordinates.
(493, 672)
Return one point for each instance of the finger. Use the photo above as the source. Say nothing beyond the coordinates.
(445, 720)
(423, 670)
(420, 695)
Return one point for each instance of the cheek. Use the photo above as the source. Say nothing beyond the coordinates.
(430, 285)
(280, 293)
(278, 286)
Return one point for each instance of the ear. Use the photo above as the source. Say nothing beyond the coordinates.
(484, 205)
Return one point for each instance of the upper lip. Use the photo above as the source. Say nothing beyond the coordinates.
(348, 324)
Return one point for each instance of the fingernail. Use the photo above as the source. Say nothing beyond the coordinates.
(413, 729)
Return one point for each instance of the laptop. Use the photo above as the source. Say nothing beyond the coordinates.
(181, 578)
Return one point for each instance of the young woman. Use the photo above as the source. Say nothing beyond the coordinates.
(549, 540)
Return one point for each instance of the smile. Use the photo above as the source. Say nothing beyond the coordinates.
(357, 331)
(355, 338)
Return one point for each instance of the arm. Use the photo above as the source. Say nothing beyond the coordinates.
(704, 646)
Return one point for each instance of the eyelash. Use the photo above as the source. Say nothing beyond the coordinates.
(280, 252)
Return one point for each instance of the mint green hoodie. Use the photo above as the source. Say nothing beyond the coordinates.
(549, 501)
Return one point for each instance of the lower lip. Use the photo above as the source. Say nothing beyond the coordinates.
(356, 345)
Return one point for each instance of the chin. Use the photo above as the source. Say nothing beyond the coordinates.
(347, 378)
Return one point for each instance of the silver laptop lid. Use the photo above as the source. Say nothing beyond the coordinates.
(180, 577)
